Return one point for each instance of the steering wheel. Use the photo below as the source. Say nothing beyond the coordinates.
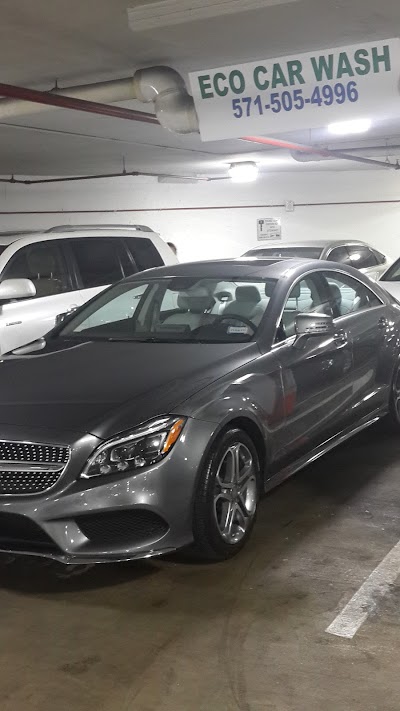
(233, 317)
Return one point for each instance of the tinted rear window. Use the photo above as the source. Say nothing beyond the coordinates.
(98, 260)
(3, 247)
(144, 253)
(288, 252)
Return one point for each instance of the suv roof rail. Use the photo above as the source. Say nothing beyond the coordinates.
(74, 228)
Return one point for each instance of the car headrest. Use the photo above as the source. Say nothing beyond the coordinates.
(248, 293)
(197, 301)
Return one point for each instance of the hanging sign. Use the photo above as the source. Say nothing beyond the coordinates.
(301, 91)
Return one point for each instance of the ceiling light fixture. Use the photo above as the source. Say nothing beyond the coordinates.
(167, 13)
(347, 128)
(245, 172)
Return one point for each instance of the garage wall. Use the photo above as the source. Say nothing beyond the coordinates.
(220, 221)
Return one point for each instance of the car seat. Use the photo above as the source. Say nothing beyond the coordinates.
(194, 309)
(247, 303)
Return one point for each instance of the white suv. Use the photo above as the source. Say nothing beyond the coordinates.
(44, 275)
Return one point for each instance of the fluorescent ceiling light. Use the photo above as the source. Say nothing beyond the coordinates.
(347, 128)
(167, 13)
(245, 172)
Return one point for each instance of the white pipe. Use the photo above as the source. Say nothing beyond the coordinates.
(107, 92)
(162, 86)
(364, 151)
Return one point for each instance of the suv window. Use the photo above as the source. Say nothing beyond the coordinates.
(144, 252)
(3, 247)
(349, 295)
(339, 254)
(44, 264)
(98, 260)
(288, 252)
(361, 257)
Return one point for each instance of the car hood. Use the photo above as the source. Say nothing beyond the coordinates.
(102, 387)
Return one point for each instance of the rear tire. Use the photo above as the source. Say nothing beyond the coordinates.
(393, 418)
(227, 495)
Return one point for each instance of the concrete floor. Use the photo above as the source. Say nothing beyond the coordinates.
(247, 635)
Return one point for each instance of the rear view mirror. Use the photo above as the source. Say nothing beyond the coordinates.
(13, 289)
(311, 325)
(314, 325)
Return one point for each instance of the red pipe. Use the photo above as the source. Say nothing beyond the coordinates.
(67, 102)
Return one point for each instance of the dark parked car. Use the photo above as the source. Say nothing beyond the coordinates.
(156, 415)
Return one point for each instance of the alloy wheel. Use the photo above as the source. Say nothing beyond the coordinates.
(235, 494)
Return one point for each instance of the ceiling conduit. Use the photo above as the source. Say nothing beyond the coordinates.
(161, 86)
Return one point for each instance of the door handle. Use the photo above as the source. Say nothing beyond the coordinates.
(341, 338)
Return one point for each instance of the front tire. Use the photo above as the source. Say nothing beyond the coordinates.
(227, 494)
(393, 417)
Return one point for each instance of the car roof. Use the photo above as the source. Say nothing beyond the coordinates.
(229, 269)
(307, 243)
(65, 232)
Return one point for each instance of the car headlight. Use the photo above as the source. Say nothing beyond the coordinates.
(140, 448)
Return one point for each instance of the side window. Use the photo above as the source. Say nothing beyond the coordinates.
(144, 252)
(307, 296)
(393, 274)
(339, 254)
(362, 257)
(44, 264)
(348, 295)
(98, 261)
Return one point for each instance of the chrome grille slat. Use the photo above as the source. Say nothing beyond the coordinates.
(28, 468)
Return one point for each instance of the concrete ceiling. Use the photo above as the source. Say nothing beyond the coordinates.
(83, 41)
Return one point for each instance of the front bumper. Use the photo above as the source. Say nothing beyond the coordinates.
(108, 519)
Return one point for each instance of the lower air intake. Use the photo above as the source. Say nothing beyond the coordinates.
(122, 527)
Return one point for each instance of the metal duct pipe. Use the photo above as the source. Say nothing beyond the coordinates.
(162, 86)
(323, 152)
(367, 152)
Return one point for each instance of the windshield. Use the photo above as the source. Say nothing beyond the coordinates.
(286, 252)
(175, 310)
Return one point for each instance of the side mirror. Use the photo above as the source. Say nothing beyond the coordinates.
(11, 289)
(311, 325)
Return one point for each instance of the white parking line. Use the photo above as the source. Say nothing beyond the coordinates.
(363, 602)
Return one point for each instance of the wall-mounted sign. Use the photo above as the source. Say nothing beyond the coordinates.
(269, 228)
(301, 91)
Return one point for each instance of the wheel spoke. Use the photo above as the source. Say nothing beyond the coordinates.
(242, 508)
(245, 473)
(229, 518)
(236, 463)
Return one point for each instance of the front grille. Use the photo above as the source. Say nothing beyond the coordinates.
(30, 468)
(124, 527)
(20, 533)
